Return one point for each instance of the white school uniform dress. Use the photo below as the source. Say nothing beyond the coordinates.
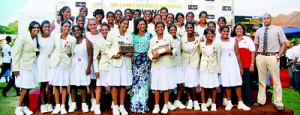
(103, 63)
(79, 65)
(191, 75)
(60, 76)
(28, 78)
(230, 70)
(93, 39)
(178, 70)
(207, 79)
(46, 49)
(162, 78)
(120, 76)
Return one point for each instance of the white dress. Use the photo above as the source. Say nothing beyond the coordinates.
(28, 78)
(162, 78)
(79, 65)
(178, 70)
(207, 79)
(191, 75)
(230, 71)
(120, 76)
(59, 75)
(93, 39)
(46, 49)
(102, 81)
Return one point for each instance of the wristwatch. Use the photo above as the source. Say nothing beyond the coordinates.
(277, 57)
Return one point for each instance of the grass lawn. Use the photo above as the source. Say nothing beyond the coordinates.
(291, 99)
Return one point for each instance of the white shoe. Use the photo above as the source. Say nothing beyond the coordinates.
(178, 104)
(70, 99)
(84, 107)
(112, 104)
(170, 106)
(242, 106)
(189, 105)
(44, 108)
(209, 102)
(196, 106)
(156, 109)
(97, 110)
(27, 111)
(49, 107)
(63, 109)
(203, 107)
(228, 106)
(224, 101)
(72, 107)
(115, 110)
(123, 110)
(93, 102)
(56, 109)
(165, 109)
(213, 107)
(19, 110)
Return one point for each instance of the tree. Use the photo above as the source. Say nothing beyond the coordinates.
(11, 28)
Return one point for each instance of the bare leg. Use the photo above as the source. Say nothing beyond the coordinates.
(156, 96)
(203, 95)
(73, 93)
(238, 91)
(98, 94)
(56, 94)
(122, 95)
(63, 94)
(214, 95)
(43, 92)
(179, 91)
(114, 94)
(166, 96)
(92, 88)
(23, 96)
(83, 93)
(49, 93)
(228, 93)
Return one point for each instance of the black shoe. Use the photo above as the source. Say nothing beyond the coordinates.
(279, 108)
(4, 94)
(257, 104)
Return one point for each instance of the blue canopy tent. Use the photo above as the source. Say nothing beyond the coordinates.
(292, 31)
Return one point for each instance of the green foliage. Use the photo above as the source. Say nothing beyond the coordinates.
(11, 28)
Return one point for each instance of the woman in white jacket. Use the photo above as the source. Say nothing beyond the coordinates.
(25, 52)
(120, 73)
(60, 63)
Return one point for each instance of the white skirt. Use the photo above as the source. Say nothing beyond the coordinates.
(102, 81)
(178, 75)
(43, 68)
(209, 80)
(78, 76)
(59, 76)
(119, 76)
(191, 76)
(27, 78)
(162, 78)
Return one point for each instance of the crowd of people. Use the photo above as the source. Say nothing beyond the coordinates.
(80, 53)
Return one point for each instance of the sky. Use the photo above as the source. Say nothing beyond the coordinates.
(10, 8)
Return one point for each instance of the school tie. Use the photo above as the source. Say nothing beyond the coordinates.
(265, 46)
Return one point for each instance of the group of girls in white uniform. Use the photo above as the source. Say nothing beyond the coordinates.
(199, 54)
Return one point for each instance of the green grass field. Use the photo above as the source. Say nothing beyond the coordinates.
(291, 99)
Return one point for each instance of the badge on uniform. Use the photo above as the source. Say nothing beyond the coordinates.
(79, 59)
(229, 54)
